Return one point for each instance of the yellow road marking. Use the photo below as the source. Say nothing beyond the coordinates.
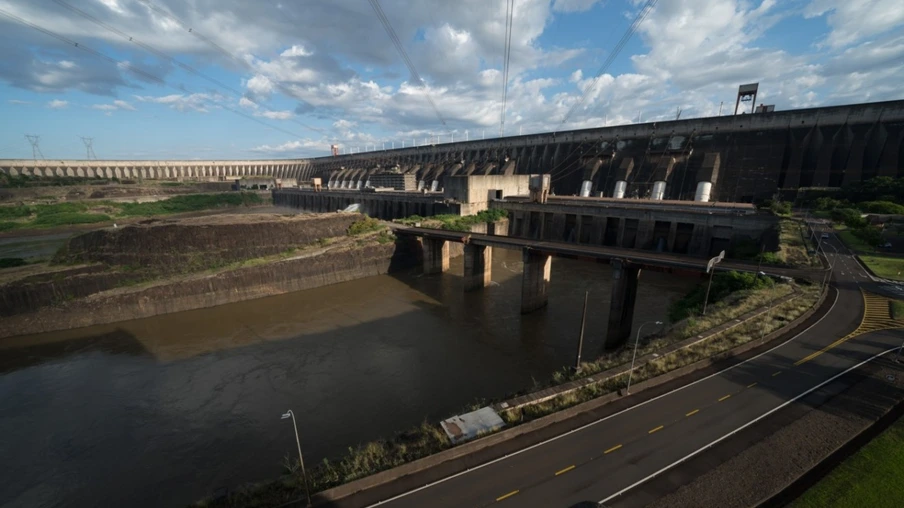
(776, 373)
(510, 494)
(751, 385)
(692, 413)
(657, 429)
(610, 450)
(563, 471)
(725, 397)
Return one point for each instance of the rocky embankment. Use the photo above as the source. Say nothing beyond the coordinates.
(165, 266)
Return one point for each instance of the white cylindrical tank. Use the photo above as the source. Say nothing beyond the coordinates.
(434, 185)
(585, 188)
(367, 184)
(420, 185)
(703, 190)
(620, 187)
(360, 184)
(658, 191)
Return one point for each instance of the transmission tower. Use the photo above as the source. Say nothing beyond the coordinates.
(89, 148)
(35, 141)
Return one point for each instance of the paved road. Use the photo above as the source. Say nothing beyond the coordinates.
(611, 457)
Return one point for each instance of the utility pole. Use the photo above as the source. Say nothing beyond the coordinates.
(720, 107)
(35, 141)
(577, 361)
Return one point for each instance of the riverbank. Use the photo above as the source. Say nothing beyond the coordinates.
(166, 266)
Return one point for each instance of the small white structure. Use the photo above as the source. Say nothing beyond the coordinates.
(470, 425)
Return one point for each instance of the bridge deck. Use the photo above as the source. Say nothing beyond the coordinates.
(603, 253)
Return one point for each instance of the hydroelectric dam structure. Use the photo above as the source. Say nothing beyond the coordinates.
(739, 158)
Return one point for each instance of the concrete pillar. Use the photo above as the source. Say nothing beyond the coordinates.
(620, 187)
(585, 188)
(478, 262)
(621, 308)
(535, 280)
(436, 255)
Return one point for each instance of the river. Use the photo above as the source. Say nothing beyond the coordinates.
(166, 410)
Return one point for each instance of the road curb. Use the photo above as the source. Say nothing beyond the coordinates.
(383, 478)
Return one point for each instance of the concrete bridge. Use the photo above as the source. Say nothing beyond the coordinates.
(728, 158)
(537, 258)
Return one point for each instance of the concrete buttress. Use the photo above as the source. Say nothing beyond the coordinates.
(478, 262)
(621, 308)
(535, 280)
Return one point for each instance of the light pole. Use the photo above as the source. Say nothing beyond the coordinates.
(710, 269)
(771, 302)
(307, 491)
(577, 361)
(636, 342)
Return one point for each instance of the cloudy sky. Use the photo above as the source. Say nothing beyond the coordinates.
(286, 78)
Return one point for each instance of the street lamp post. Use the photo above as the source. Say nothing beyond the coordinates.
(710, 269)
(771, 302)
(634, 357)
(307, 491)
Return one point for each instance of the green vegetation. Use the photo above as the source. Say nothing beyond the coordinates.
(12, 262)
(870, 478)
(782, 208)
(190, 203)
(723, 284)
(885, 267)
(897, 310)
(71, 213)
(365, 225)
(882, 207)
(50, 181)
(458, 223)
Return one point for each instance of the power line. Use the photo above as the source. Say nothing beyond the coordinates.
(611, 58)
(131, 68)
(89, 148)
(398, 44)
(506, 52)
(35, 140)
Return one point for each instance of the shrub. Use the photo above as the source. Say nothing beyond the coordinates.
(365, 225)
(884, 207)
(723, 284)
(11, 262)
(69, 218)
(14, 212)
(869, 234)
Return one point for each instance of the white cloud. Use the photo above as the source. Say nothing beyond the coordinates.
(293, 147)
(573, 5)
(275, 115)
(17, 101)
(114, 106)
(854, 20)
(58, 104)
(193, 102)
(296, 50)
(245, 103)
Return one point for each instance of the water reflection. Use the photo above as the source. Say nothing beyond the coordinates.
(166, 410)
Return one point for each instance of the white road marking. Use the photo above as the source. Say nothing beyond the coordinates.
(560, 436)
(748, 424)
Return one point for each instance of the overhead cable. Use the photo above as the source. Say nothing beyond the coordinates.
(408, 63)
(506, 54)
(611, 58)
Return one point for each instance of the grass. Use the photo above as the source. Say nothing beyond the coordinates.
(365, 225)
(459, 223)
(71, 213)
(897, 310)
(885, 267)
(793, 250)
(870, 478)
(852, 242)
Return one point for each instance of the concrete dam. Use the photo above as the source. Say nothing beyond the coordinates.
(728, 158)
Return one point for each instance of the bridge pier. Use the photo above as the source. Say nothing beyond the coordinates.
(621, 308)
(478, 262)
(535, 280)
(436, 255)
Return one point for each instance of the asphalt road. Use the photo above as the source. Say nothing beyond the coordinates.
(610, 458)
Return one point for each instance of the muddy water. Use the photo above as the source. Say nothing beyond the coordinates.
(166, 410)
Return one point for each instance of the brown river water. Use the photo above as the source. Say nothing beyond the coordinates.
(167, 410)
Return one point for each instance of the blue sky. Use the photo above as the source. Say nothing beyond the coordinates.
(286, 78)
